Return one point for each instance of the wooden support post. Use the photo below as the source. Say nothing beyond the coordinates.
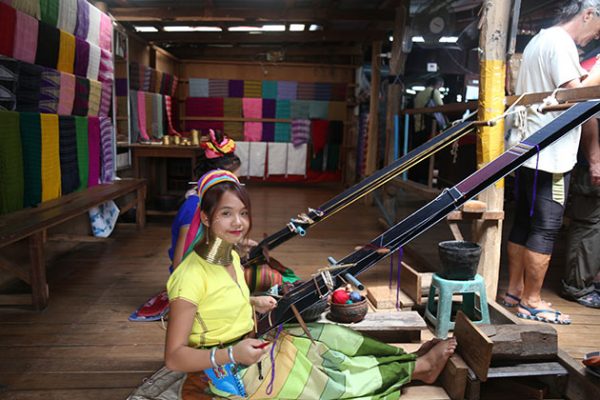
(39, 286)
(373, 135)
(140, 212)
(396, 87)
(493, 40)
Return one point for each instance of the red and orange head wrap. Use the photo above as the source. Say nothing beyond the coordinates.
(215, 149)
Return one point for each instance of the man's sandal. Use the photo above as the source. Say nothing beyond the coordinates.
(533, 315)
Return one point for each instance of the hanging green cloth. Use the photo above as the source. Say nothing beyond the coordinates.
(31, 140)
(81, 130)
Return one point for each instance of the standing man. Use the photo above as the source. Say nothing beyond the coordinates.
(550, 61)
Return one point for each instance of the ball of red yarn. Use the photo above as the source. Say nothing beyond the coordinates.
(340, 296)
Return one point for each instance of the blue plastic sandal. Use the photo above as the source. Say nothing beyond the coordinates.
(510, 296)
(533, 315)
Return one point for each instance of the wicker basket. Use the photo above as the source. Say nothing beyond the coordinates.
(347, 313)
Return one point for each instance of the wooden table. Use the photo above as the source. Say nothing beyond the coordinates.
(157, 179)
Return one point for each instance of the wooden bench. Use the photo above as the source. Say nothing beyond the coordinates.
(32, 224)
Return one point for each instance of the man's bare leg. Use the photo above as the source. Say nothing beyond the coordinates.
(430, 366)
(515, 271)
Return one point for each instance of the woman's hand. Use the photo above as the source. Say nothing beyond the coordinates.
(247, 352)
(263, 304)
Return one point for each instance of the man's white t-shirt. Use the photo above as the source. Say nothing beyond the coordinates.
(549, 61)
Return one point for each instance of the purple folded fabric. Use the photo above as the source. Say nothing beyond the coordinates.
(82, 57)
(83, 19)
(26, 37)
(106, 153)
(236, 88)
(67, 94)
(268, 108)
(268, 133)
(287, 90)
(93, 151)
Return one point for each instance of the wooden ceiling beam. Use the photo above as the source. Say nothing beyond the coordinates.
(204, 14)
(269, 37)
(186, 52)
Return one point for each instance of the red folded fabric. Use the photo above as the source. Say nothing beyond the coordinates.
(8, 20)
(204, 107)
(318, 133)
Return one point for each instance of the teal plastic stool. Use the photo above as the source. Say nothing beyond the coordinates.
(441, 318)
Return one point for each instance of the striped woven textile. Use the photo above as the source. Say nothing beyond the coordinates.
(252, 88)
(269, 89)
(268, 108)
(318, 109)
(283, 132)
(11, 163)
(198, 87)
(93, 35)
(82, 96)
(217, 88)
(49, 91)
(169, 113)
(283, 109)
(306, 91)
(234, 130)
(337, 110)
(25, 38)
(29, 7)
(107, 171)
(300, 131)
(265, 276)
(339, 364)
(31, 142)
(48, 45)
(287, 90)
(94, 62)
(106, 99)
(95, 98)
(81, 133)
(8, 22)
(157, 101)
(236, 88)
(142, 117)
(67, 94)
(147, 78)
(323, 91)
(67, 15)
(69, 170)
(66, 53)
(49, 11)
(300, 109)
(51, 180)
(106, 32)
(106, 70)
(82, 57)
(174, 82)
(83, 19)
(93, 151)
(28, 89)
(232, 108)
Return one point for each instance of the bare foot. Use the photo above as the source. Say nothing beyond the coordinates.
(425, 347)
(429, 366)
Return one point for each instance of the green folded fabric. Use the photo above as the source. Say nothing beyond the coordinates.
(269, 89)
(49, 11)
(11, 163)
(283, 132)
(31, 140)
(81, 131)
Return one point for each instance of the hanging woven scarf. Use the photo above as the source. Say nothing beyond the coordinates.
(50, 157)
(95, 98)
(8, 22)
(106, 153)
(93, 36)
(82, 57)
(49, 91)
(106, 71)
(82, 96)
(49, 11)
(25, 37)
(67, 94)
(67, 15)
(28, 90)
(94, 62)
(31, 141)
(83, 19)
(141, 110)
(106, 32)
(81, 132)
(48, 45)
(150, 117)
(11, 163)
(105, 99)
(66, 53)
(93, 151)
(69, 172)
